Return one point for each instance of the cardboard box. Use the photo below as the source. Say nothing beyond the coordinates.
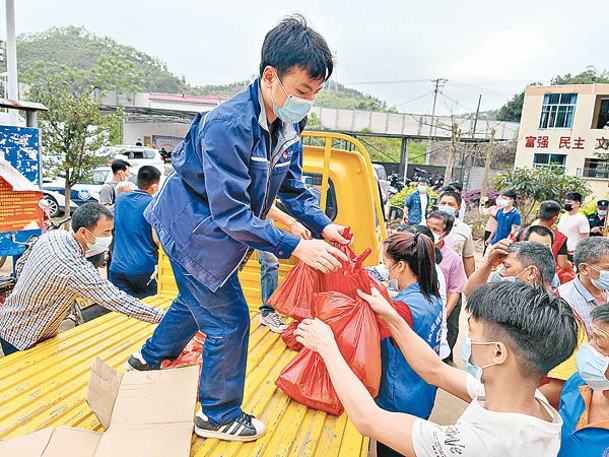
(143, 413)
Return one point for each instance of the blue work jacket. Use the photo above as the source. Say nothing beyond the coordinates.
(227, 172)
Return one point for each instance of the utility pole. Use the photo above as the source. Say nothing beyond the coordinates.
(487, 166)
(476, 118)
(439, 83)
(448, 174)
(11, 59)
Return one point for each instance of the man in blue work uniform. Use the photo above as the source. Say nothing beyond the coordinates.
(211, 213)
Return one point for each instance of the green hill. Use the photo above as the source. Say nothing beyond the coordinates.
(75, 47)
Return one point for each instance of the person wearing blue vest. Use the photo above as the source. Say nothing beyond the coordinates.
(410, 261)
(211, 213)
(136, 248)
(584, 401)
(417, 204)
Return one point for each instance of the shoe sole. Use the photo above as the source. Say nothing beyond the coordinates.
(225, 436)
(272, 328)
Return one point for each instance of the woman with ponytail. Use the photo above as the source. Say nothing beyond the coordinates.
(410, 262)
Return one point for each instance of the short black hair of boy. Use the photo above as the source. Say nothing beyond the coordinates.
(538, 326)
(147, 176)
(119, 165)
(293, 44)
(575, 196)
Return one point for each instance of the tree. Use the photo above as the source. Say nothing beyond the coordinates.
(512, 110)
(538, 184)
(114, 72)
(73, 128)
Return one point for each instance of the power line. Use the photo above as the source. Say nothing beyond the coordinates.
(414, 99)
(399, 81)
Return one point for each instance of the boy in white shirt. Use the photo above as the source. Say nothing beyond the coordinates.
(573, 223)
(518, 333)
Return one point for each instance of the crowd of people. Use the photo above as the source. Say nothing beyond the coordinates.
(536, 344)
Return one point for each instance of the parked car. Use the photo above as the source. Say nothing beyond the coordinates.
(137, 156)
(53, 191)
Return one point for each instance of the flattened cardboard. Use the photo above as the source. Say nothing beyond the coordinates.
(32, 445)
(144, 414)
(72, 441)
(104, 384)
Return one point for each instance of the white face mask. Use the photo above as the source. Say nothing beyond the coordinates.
(100, 244)
(422, 188)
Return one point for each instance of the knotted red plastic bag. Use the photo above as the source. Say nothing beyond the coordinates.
(306, 379)
(288, 336)
(192, 353)
(294, 295)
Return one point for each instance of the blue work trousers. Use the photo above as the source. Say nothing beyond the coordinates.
(224, 318)
(269, 277)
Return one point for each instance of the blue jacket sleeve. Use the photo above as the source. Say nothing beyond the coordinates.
(226, 150)
(300, 201)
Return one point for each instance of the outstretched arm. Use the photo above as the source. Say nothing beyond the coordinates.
(393, 429)
(417, 352)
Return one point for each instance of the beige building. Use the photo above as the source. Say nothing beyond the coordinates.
(563, 125)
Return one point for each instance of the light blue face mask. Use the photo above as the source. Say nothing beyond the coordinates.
(602, 282)
(496, 276)
(466, 353)
(447, 209)
(592, 366)
(392, 284)
(294, 109)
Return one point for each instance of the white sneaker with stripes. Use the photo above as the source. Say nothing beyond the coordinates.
(245, 428)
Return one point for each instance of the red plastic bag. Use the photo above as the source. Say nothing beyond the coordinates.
(565, 275)
(288, 336)
(306, 378)
(192, 353)
(294, 295)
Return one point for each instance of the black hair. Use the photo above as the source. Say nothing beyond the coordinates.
(510, 194)
(538, 326)
(538, 230)
(292, 44)
(418, 252)
(148, 176)
(423, 230)
(549, 209)
(119, 165)
(575, 196)
(600, 313)
(454, 194)
(445, 217)
(457, 186)
(88, 215)
(534, 254)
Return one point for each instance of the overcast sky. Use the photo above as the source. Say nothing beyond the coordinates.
(390, 49)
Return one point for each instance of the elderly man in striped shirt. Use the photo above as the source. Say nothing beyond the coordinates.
(54, 272)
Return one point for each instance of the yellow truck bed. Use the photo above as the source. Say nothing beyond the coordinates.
(46, 386)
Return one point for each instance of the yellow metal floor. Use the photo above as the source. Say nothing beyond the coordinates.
(46, 386)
